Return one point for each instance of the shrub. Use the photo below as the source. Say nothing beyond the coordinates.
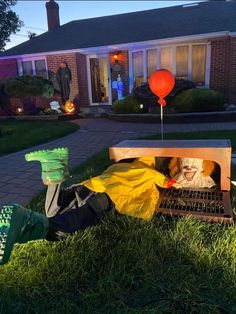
(198, 100)
(28, 86)
(145, 96)
(128, 104)
(180, 86)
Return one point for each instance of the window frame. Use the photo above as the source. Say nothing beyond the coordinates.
(173, 46)
(32, 60)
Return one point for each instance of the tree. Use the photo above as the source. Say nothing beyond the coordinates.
(9, 22)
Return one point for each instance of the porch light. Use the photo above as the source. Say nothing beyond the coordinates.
(116, 58)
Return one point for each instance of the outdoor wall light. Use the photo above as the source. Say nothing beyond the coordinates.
(116, 58)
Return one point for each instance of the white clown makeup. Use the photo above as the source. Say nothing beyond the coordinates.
(191, 174)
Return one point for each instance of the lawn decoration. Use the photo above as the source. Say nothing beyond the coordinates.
(161, 84)
(192, 172)
(69, 107)
(54, 105)
(63, 77)
(54, 164)
(119, 86)
(192, 165)
(131, 187)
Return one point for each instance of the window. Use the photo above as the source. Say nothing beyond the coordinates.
(27, 68)
(40, 68)
(138, 68)
(167, 58)
(199, 64)
(151, 61)
(182, 62)
(186, 61)
(33, 67)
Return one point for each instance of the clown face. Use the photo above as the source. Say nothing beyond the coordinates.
(190, 168)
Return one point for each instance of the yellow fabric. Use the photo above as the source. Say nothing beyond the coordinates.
(131, 186)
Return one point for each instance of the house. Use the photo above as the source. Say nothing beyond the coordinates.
(194, 41)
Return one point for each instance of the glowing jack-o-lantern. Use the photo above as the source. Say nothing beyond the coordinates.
(69, 107)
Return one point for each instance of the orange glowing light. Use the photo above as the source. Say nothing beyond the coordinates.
(69, 107)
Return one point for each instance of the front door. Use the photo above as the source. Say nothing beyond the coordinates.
(99, 79)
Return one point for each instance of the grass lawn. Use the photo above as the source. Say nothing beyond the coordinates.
(17, 135)
(125, 265)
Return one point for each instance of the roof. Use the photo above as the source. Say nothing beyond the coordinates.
(170, 22)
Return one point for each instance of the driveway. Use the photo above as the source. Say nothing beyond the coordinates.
(20, 180)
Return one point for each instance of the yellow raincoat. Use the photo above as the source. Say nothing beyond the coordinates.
(131, 186)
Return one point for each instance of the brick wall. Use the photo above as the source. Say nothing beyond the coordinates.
(220, 54)
(122, 69)
(53, 63)
(8, 68)
(82, 80)
(232, 71)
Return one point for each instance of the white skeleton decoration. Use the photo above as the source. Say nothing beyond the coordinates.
(191, 174)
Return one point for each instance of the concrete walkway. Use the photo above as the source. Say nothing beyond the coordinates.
(20, 180)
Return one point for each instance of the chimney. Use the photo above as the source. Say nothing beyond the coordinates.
(52, 14)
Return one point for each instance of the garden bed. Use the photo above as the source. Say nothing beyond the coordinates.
(195, 117)
(59, 117)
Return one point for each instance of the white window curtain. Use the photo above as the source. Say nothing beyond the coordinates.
(40, 68)
(27, 68)
(151, 61)
(137, 57)
(182, 62)
(167, 58)
(199, 64)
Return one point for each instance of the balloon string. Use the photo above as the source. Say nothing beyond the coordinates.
(161, 101)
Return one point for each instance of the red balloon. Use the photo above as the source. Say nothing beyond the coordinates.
(161, 84)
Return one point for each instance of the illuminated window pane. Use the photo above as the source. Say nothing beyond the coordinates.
(27, 68)
(199, 64)
(167, 58)
(151, 61)
(182, 62)
(137, 58)
(40, 68)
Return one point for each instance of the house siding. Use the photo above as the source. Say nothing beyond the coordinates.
(8, 68)
(232, 73)
(219, 74)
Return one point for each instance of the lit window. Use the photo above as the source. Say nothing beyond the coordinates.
(27, 68)
(151, 61)
(167, 59)
(40, 68)
(199, 64)
(182, 62)
(138, 68)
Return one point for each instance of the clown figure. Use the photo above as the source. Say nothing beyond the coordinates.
(192, 172)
